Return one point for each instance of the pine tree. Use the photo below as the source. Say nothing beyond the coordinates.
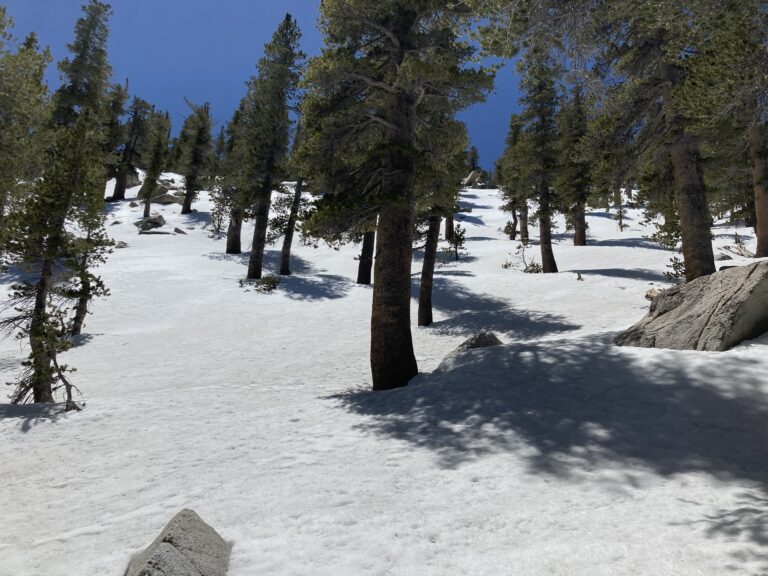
(70, 195)
(266, 125)
(25, 106)
(158, 128)
(382, 62)
(136, 134)
(572, 178)
(196, 152)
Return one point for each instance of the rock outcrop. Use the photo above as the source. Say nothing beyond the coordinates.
(187, 546)
(150, 223)
(713, 313)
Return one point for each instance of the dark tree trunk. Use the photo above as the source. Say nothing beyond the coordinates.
(81, 310)
(513, 228)
(365, 265)
(393, 362)
(261, 216)
(757, 154)
(579, 225)
(189, 196)
(692, 205)
(150, 190)
(524, 222)
(121, 183)
(548, 264)
(428, 271)
(42, 355)
(619, 206)
(234, 245)
(290, 228)
(449, 227)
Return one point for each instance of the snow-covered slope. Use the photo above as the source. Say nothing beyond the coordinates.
(555, 454)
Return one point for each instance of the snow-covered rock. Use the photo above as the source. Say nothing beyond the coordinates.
(712, 313)
(150, 223)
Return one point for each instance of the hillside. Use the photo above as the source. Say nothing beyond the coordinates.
(555, 454)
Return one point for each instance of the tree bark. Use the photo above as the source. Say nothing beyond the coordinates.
(365, 265)
(759, 161)
(548, 264)
(692, 204)
(234, 245)
(619, 206)
(189, 196)
(81, 310)
(121, 182)
(263, 204)
(579, 225)
(449, 227)
(290, 228)
(393, 362)
(524, 238)
(513, 228)
(428, 271)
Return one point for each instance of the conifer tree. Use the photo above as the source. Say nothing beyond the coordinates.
(196, 148)
(69, 195)
(381, 64)
(158, 131)
(266, 128)
(25, 105)
(572, 178)
(136, 134)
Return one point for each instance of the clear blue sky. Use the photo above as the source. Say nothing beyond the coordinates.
(205, 50)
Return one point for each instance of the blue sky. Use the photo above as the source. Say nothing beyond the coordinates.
(205, 50)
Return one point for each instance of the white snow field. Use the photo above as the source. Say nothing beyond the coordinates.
(556, 454)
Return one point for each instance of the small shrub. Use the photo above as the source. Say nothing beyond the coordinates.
(264, 285)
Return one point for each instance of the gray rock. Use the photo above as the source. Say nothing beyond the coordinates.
(132, 180)
(168, 199)
(119, 245)
(134, 204)
(481, 340)
(187, 546)
(179, 231)
(721, 257)
(712, 313)
(116, 223)
(149, 223)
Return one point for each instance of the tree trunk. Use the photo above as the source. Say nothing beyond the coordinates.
(548, 264)
(121, 182)
(692, 205)
(365, 266)
(290, 228)
(81, 310)
(263, 204)
(42, 372)
(579, 225)
(513, 228)
(393, 362)
(189, 196)
(234, 245)
(524, 223)
(428, 271)
(619, 206)
(759, 163)
(449, 227)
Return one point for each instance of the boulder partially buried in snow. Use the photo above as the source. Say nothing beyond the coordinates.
(187, 546)
(150, 223)
(713, 313)
(481, 340)
(169, 198)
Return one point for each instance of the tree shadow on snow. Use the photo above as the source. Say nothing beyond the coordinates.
(462, 218)
(471, 312)
(583, 409)
(305, 283)
(30, 414)
(629, 243)
(630, 274)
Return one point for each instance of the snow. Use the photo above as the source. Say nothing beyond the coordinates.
(554, 454)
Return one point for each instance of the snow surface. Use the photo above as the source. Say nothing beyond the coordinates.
(555, 454)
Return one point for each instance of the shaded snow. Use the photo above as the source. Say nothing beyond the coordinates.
(557, 453)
